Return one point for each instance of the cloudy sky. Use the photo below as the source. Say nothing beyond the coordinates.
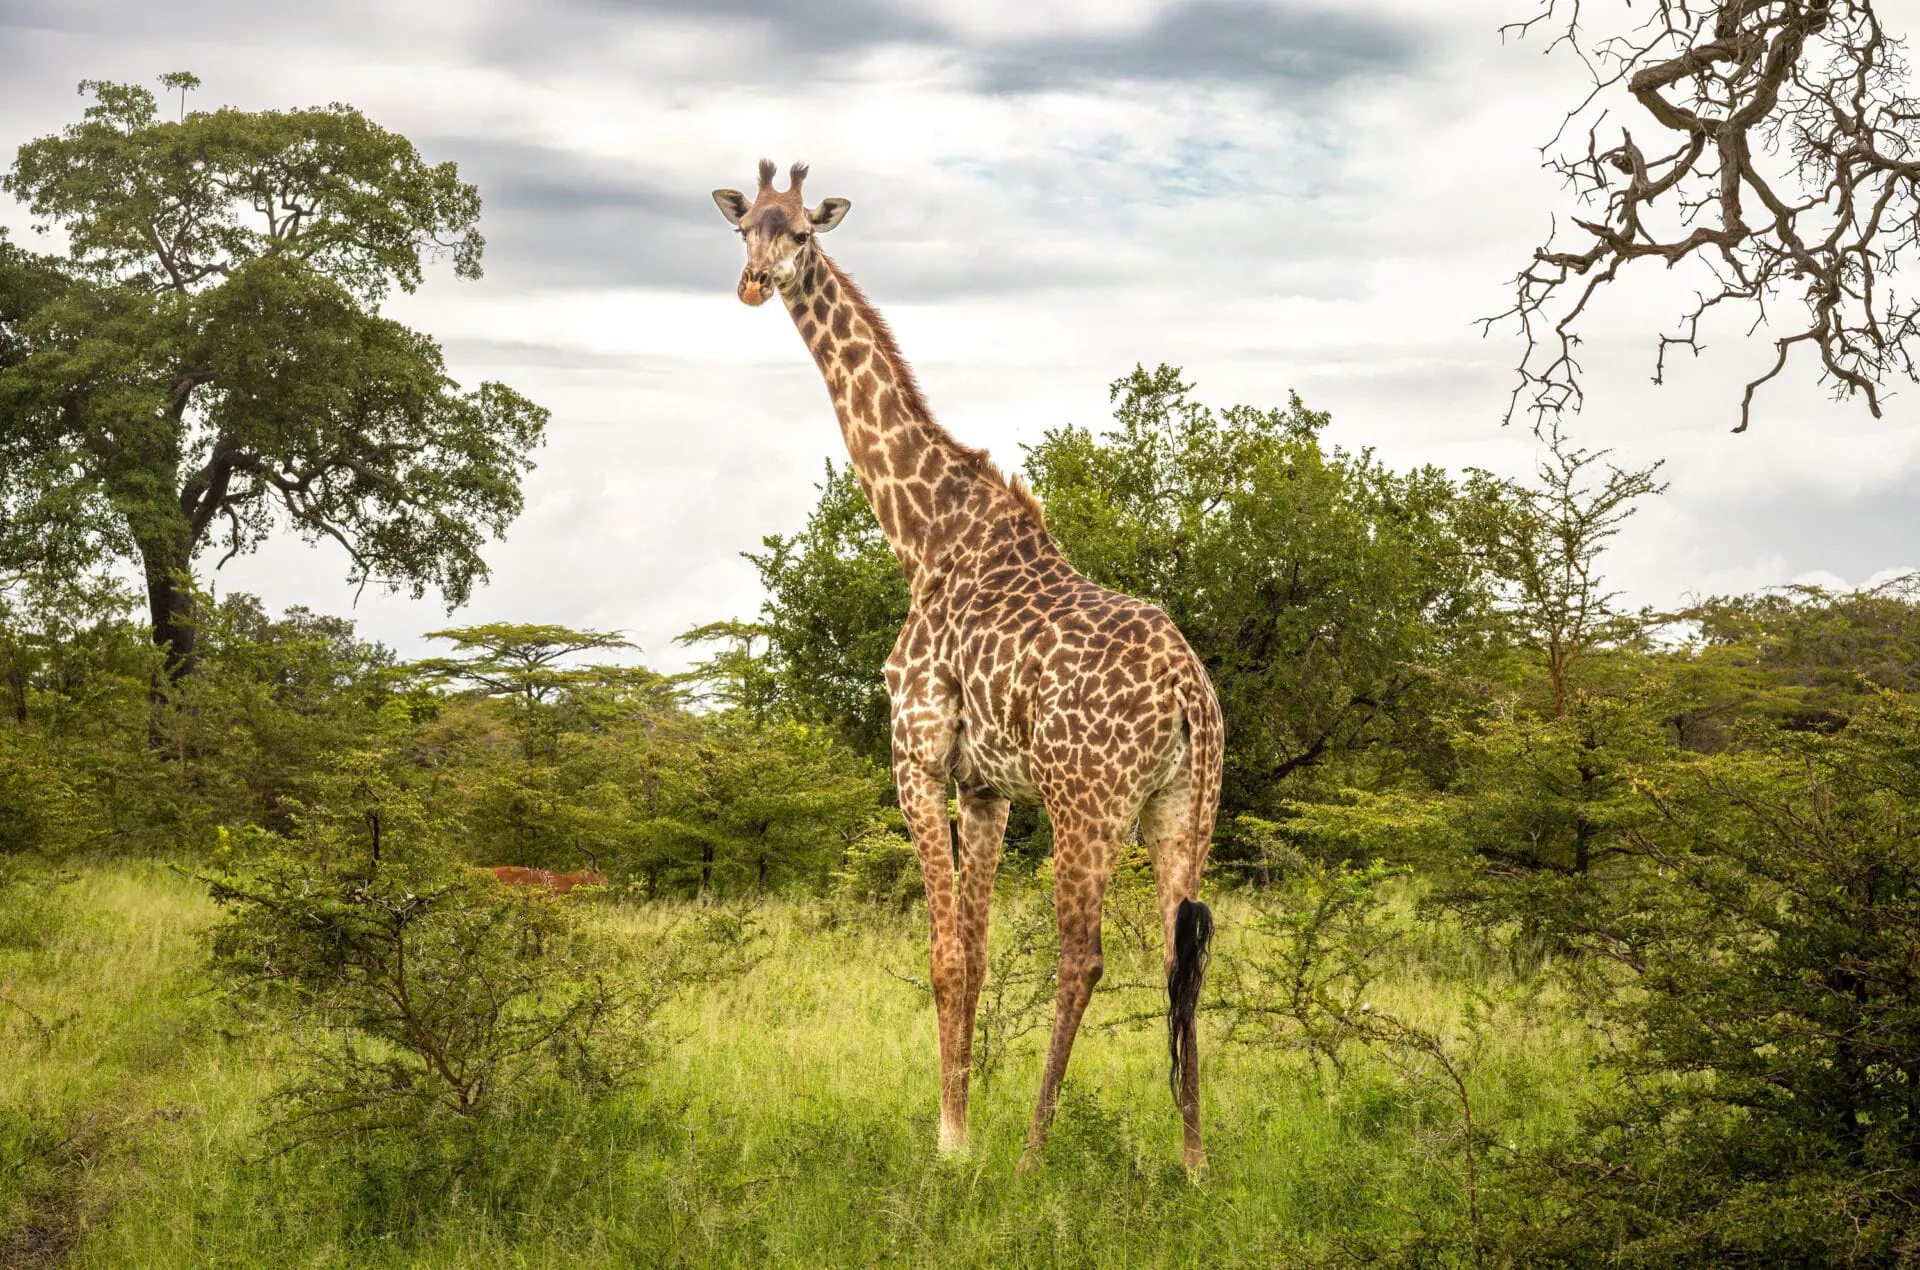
(1274, 195)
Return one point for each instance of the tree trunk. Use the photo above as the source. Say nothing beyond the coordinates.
(1584, 830)
(170, 605)
(17, 683)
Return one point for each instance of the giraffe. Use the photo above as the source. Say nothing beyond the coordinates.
(1013, 679)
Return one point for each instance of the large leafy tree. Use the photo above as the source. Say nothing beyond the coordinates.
(208, 362)
(1323, 591)
(47, 534)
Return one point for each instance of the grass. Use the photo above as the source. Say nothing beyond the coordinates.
(789, 1120)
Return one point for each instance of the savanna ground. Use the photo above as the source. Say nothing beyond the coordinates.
(787, 1119)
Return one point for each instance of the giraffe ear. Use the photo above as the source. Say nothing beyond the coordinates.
(732, 204)
(830, 213)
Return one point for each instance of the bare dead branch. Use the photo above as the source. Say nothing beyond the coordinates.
(1793, 189)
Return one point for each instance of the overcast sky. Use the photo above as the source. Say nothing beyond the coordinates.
(1274, 195)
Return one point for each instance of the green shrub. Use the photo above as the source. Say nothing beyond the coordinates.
(29, 911)
(1765, 1017)
(43, 809)
(880, 866)
(422, 997)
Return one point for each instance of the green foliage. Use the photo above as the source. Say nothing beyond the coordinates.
(836, 600)
(516, 661)
(426, 998)
(1550, 735)
(1818, 655)
(145, 199)
(880, 866)
(1541, 815)
(775, 806)
(1545, 540)
(253, 733)
(43, 810)
(209, 363)
(607, 763)
(1023, 963)
(740, 675)
(1324, 592)
(1310, 980)
(1763, 1016)
(51, 535)
(1321, 941)
(519, 664)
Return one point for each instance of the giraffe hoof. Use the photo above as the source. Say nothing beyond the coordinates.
(1196, 1162)
(1029, 1162)
(953, 1142)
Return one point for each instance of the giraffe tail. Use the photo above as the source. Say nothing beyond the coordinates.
(1192, 939)
(1193, 921)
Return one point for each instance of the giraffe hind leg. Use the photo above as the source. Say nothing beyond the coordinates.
(1187, 926)
(983, 831)
(1082, 862)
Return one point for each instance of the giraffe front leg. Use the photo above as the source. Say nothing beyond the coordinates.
(923, 801)
(925, 727)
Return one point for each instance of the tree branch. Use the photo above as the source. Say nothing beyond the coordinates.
(1801, 106)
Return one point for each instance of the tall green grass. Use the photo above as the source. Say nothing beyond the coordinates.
(788, 1120)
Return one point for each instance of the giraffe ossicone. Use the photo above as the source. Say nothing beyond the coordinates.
(1014, 679)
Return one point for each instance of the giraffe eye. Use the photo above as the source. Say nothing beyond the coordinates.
(801, 239)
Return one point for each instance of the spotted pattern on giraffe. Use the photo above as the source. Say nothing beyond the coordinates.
(1014, 678)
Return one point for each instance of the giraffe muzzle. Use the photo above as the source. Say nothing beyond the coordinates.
(754, 288)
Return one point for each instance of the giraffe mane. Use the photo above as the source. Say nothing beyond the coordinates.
(908, 386)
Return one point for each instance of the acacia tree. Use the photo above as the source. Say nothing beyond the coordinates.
(520, 663)
(740, 675)
(1778, 157)
(1545, 543)
(208, 362)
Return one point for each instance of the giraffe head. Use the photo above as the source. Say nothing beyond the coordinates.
(778, 229)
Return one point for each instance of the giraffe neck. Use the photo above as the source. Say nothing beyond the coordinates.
(924, 486)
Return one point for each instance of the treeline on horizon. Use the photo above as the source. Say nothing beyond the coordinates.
(1373, 635)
